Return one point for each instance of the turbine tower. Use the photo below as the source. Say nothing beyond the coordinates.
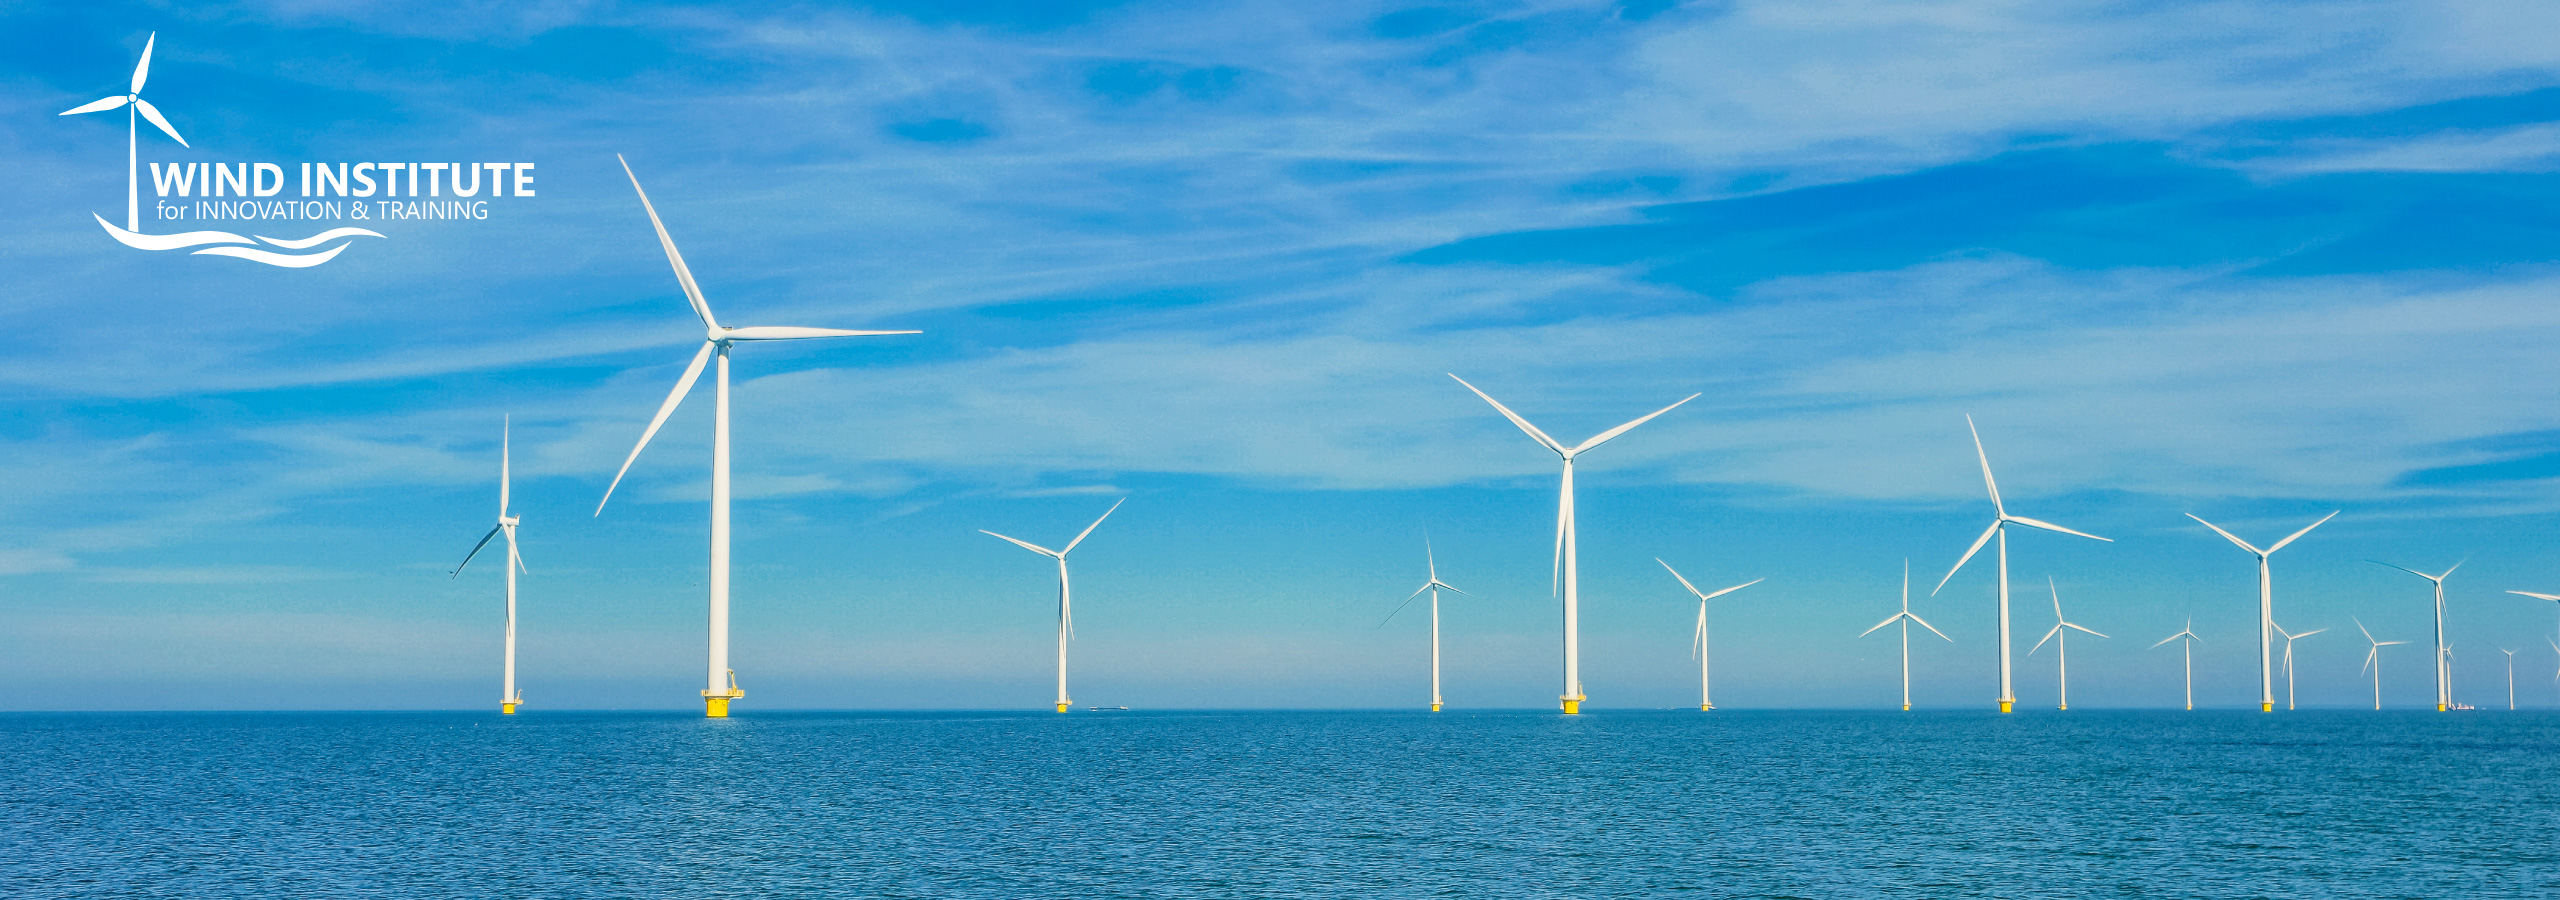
(1433, 585)
(133, 103)
(508, 696)
(2061, 642)
(2444, 664)
(1566, 575)
(2000, 522)
(1698, 638)
(2266, 605)
(1906, 618)
(722, 682)
(1066, 614)
(2289, 638)
(2373, 660)
(2187, 650)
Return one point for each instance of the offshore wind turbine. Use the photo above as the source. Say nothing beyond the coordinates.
(2266, 605)
(1066, 613)
(1433, 586)
(2187, 650)
(2444, 664)
(2061, 642)
(1698, 637)
(2511, 678)
(131, 101)
(2373, 660)
(1566, 574)
(722, 682)
(2000, 522)
(1905, 617)
(2289, 638)
(508, 696)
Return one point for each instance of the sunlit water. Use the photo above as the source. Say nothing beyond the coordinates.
(1258, 804)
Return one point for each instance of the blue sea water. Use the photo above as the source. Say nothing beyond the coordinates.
(1282, 804)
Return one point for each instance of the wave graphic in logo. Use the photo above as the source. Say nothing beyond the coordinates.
(224, 243)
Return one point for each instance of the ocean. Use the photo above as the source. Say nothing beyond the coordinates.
(1730, 803)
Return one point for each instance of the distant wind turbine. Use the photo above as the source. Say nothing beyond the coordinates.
(1906, 618)
(2511, 678)
(2444, 653)
(722, 681)
(132, 103)
(2000, 522)
(1567, 574)
(508, 696)
(1066, 613)
(1433, 586)
(2289, 638)
(2187, 650)
(2373, 660)
(2061, 642)
(1698, 638)
(2266, 604)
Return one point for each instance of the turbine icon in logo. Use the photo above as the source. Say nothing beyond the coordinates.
(227, 243)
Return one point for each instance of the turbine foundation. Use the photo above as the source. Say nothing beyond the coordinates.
(1573, 704)
(507, 709)
(2266, 706)
(2005, 705)
(715, 704)
(1435, 707)
(1062, 707)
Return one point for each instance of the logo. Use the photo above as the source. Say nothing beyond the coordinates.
(212, 192)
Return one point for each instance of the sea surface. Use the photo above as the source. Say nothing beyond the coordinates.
(2219, 804)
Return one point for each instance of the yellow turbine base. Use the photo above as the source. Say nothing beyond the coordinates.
(1572, 706)
(2064, 707)
(1906, 707)
(2004, 706)
(1062, 707)
(1435, 707)
(715, 707)
(506, 709)
(2266, 706)
(2440, 707)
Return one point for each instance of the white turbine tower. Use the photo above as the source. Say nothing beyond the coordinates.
(1906, 618)
(133, 103)
(2289, 638)
(2444, 664)
(2186, 649)
(1698, 637)
(722, 682)
(2061, 643)
(2373, 660)
(1066, 613)
(2266, 605)
(1566, 573)
(2511, 678)
(508, 696)
(2000, 522)
(1433, 586)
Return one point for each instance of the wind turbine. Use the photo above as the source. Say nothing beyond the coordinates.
(1905, 617)
(132, 103)
(2001, 519)
(2373, 660)
(508, 696)
(1433, 585)
(2061, 642)
(1698, 638)
(2187, 650)
(2444, 667)
(2266, 605)
(722, 681)
(1566, 574)
(2289, 638)
(1066, 615)
(2511, 678)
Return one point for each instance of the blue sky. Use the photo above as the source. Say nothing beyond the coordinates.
(2251, 261)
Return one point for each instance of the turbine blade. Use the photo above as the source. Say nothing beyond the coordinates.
(2370, 657)
(1888, 620)
(1698, 635)
(153, 113)
(683, 385)
(1564, 521)
(1391, 615)
(2408, 570)
(1430, 560)
(2307, 633)
(1452, 588)
(2305, 530)
(1603, 437)
(1968, 556)
(1924, 623)
(1027, 545)
(2047, 637)
(2368, 635)
(2048, 526)
(2448, 573)
(1097, 523)
(1417, 592)
(1987, 484)
(792, 332)
(1733, 589)
(504, 438)
(684, 276)
(2078, 626)
(2228, 536)
(2168, 639)
(142, 70)
(1532, 430)
(116, 102)
(1684, 582)
(514, 554)
(2551, 597)
(475, 551)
